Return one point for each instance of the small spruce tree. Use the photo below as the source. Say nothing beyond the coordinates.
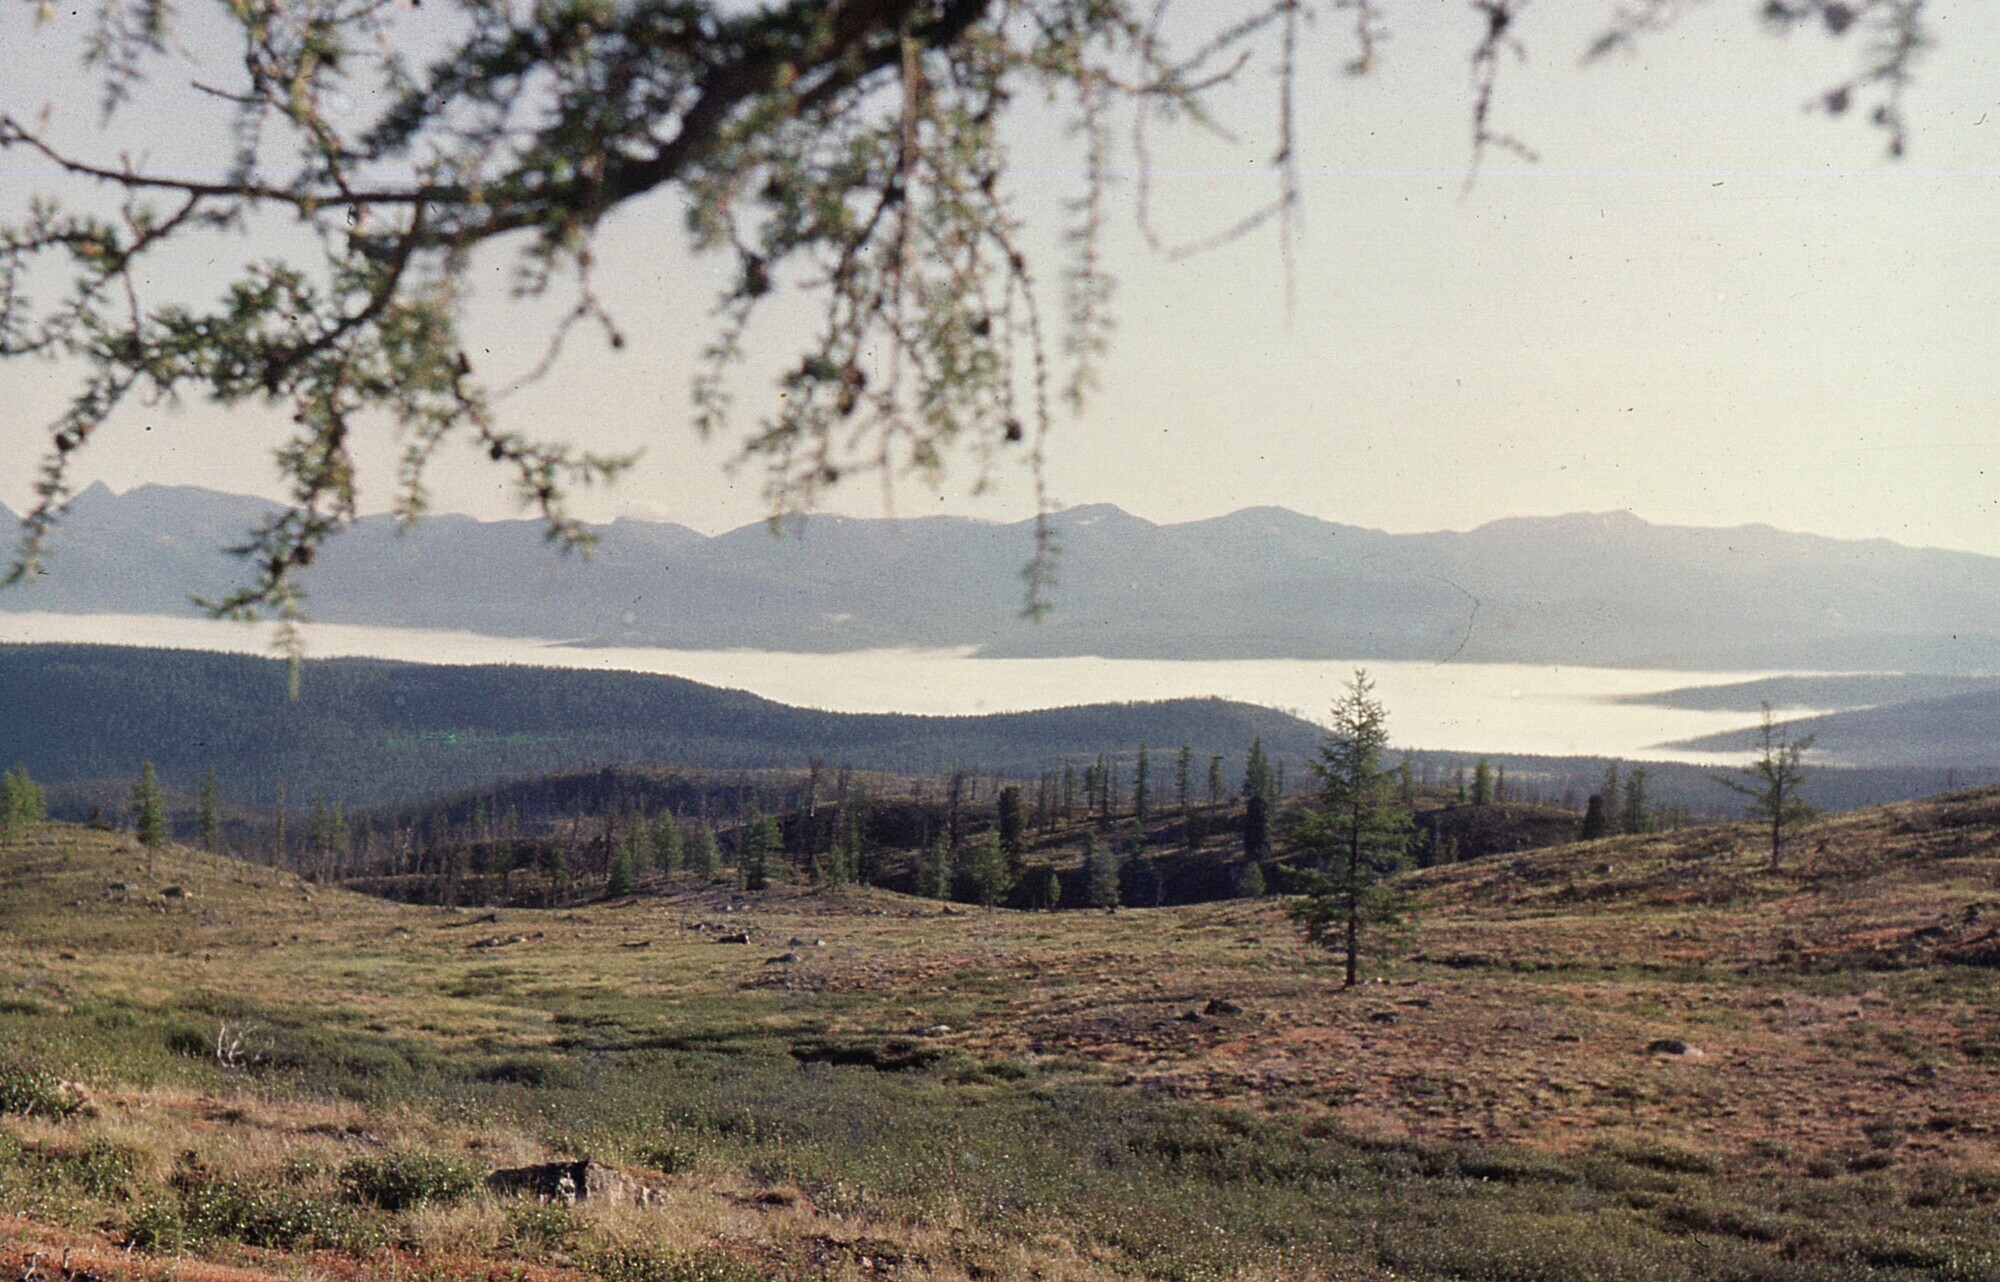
(1013, 827)
(208, 822)
(1100, 873)
(1256, 826)
(618, 879)
(1612, 792)
(1636, 815)
(338, 838)
(1594, 823)
(668, 848)
(149, 808)
(1257, 778)
(704, 855)
(22, 803)
(763, 847)
(986, 869)
(1359, 836)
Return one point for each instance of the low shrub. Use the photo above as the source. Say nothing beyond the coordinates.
(98, 1169)
(403, 1180)
(627, 1265)
(670, 1158)
(542, 1226)
(29, 1090)
(238, 1212)
(157, 1225)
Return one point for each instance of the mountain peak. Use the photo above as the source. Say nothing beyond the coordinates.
(1617, 521)
(1086, 515)
(91, 494)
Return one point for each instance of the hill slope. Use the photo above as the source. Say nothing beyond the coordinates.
(1956, 730)
(369, 731)
(1641, 1057)
(1593, 589)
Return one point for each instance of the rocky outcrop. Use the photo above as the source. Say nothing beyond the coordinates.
(572, 1182)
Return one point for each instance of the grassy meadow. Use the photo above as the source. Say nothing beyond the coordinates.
(1638, 1057)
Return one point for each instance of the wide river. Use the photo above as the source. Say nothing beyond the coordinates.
(1465, 707)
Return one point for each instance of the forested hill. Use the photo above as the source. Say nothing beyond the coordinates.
(1604, 589)
(368, 732)
(1954, 731)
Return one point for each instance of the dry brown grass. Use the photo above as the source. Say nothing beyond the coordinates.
(1824, 1018)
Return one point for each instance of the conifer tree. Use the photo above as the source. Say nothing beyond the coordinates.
(1594, 823)
(1482, 783)
(338, 839)
(1215, 781)
(208, 823)
(506, 848)
(318, 836)
(1257, 781)
(704, 855)
(636, 844)
(937, 869)
(1613, 792)
(1250, 881)
(1145, 887)
(844, 864)
(1141, 787)
(1635, 815)
(1775, 778)
(668, 847)
(1100, 873)
(149, 808)
(986, 869)
(22, 803)
(618, 877)
(554, 862)
(278, 853)
(1256, 826)
(1183, 779)
(1013, 827)
(1359, 837)
(763, 847)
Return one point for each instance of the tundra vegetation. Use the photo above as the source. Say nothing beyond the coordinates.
(1647, 1055)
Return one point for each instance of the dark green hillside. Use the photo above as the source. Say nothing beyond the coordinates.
(370, 732)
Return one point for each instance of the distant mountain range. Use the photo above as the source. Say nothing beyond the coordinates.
(1597, 590)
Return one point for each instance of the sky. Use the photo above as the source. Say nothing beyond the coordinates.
(1703, 303)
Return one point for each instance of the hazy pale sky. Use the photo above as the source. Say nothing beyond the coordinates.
(1704, 303)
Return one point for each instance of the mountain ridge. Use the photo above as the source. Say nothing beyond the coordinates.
(1605, 589)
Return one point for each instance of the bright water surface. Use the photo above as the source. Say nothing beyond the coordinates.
(1466, 707)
